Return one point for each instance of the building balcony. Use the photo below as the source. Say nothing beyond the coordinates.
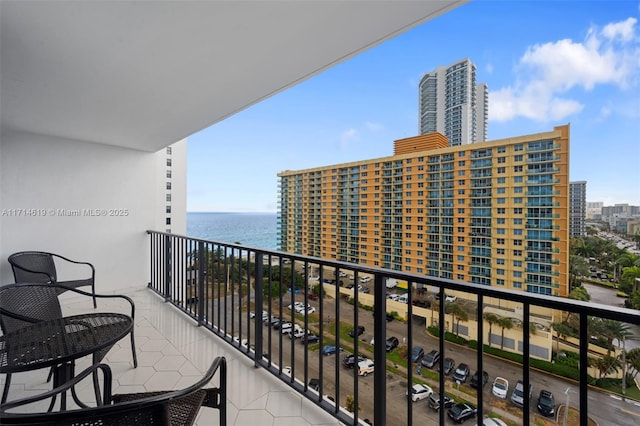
(199, 305)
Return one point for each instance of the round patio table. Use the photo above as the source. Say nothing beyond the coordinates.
(58, 343)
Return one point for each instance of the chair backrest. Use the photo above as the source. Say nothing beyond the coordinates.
(35, 301)
(33, 267)
(175, 408)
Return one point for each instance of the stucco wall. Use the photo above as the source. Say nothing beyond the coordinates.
(61, 180)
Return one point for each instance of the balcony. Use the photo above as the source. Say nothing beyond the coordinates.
(233, 286)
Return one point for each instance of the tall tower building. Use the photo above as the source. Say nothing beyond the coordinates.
(491, 213)
(451, 103)
(577, 208)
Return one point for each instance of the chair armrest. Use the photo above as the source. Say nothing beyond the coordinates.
(93, 270)
(84, 293)
(55, 391)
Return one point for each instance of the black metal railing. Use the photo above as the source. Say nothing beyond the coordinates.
(227, 287)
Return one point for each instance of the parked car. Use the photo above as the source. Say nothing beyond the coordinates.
(500, 387)
(392, 343)
(309, 338)
(449, 363)
(314, 384)
(431, 359)
(286, 327)
(450, 298)
(365, 367)
(475, 377)
(349, 361)
(462, 373)
(296, 333)
(434, 401)
(365, 279)
(330, 349)
(417, 353)
(546, 403)
(517, 396)
(420, 391)
(313, 296)
(461, 412)
(356, 331)
(422, 303)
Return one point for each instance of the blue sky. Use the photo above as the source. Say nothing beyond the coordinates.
(546, 64)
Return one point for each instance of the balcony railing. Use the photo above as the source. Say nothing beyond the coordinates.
(226, 287)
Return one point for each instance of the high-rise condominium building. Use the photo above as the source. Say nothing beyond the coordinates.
(577, 208)
(492, 213)
(451, 103)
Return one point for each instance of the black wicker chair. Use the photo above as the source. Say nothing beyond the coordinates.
(175, 408)
(23, 304)
(40, 267)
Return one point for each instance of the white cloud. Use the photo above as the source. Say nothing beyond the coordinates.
(347, 137)
(489, 68)
(547, 72)
(374, 127)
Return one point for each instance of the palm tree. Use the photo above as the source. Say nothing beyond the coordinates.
(504, 322)
(458, 315)
(628, 278)
(562, 330)
(491, 318)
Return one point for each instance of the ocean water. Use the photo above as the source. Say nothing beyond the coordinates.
(257, 230)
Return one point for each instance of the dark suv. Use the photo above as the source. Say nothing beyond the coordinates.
(349, 360)
(474, 379)
(461, 373)
(546, 403)
(392, 343)
(357, 331)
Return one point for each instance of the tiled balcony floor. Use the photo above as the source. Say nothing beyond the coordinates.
(173, 352)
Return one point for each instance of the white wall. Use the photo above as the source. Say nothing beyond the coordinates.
(49, 174)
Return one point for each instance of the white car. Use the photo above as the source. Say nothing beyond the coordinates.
(500, 387)
(450, 298)
(286, 327)
(420, 391)
(365, 279)
(365, 367)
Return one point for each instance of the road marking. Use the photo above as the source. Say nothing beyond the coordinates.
(616, 397)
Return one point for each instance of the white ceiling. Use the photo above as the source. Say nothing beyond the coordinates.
(145, 74)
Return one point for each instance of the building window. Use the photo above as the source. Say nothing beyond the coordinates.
(517, 147)
(517, 284)
(169, 174)
(502, 160)
(501, 170)
(517, 274)
(500, 251)
(169, 162)
(517, 179)
(517, 263)
(501, 180)
(517, 210)
(517, 253)
(500, 271)
(517, 169)
(168, 197)
(168, 185)
(501, 200)
(517, 242)
(168, 209)
(499, 281)
(517, 200)
(517, 157)
(500, 241)
(168, 222)
(168, 150)
(501, 210)
(517, 190)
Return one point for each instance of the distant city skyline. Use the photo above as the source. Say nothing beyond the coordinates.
(545, 64)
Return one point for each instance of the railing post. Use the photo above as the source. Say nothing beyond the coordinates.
(379, 351)
(201, 283)
(167, 267)
(258, 301)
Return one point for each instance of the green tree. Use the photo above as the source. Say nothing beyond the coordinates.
(606, 365)
(458, 314)
(504, 322)
(628, 278)
(491, 318)
(580, 293)
(577, 267)
(562, 330)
